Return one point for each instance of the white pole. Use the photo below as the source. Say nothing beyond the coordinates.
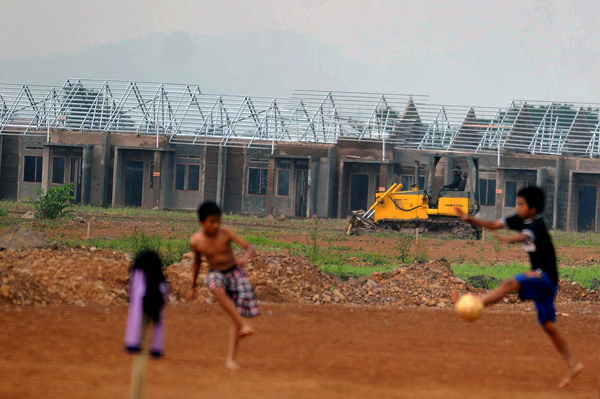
(498, 152)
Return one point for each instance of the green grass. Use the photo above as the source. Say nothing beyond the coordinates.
(587, 276)
(576, 239)
(337, 260)
(499, 272)
(170, 250)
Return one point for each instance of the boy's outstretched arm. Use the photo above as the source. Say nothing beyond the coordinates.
(488, 224)
(244, 245)
(515, 238)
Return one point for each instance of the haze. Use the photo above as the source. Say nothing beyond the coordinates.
(459, 52)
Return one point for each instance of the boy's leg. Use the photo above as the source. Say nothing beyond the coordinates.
(228, 306)
(234, 340)
(505, 287)
(574, 367)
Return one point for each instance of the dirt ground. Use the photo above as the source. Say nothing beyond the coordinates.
(300, 351)
(332, 234)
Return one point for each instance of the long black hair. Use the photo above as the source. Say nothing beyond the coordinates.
(150, 263)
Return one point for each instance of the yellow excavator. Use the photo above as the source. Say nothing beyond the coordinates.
(428, 208)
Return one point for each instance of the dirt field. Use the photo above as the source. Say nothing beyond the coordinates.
(299, 352)
(53, 346)
(167, 225)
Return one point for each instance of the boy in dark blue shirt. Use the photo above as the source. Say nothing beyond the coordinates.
(540, 284)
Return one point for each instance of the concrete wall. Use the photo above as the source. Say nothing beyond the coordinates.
(224, 173)
(211, 165)
(235, 183)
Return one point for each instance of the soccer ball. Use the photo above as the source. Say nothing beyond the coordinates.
(469, 308)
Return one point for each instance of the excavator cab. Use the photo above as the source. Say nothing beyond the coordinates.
(445, 199)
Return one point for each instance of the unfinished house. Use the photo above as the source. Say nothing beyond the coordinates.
(316, 153)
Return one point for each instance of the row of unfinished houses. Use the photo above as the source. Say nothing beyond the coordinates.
(135, 144)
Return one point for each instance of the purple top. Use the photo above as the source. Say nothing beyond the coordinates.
(135, 320)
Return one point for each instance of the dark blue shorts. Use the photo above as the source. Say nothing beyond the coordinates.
(537, 286)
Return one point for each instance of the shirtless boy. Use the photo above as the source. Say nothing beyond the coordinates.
(226, 279)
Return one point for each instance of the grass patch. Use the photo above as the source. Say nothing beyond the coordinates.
(170, 250)
(467, 271)
(490, 276)
(336, 260)
(587, 276)
(576, 239)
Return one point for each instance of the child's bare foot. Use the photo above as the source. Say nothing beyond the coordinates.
(245, 331)
(232, 365)
(571, 373)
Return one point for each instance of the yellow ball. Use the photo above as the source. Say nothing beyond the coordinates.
(469, 308)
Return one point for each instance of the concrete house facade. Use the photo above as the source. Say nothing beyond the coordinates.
(322, 157)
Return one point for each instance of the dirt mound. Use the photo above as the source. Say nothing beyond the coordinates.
(570, 291)
(20, 237)
(72, 276)
(85, 276)
(424, 284)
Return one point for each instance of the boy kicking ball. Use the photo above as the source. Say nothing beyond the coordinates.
(540, 284)
(227, 279)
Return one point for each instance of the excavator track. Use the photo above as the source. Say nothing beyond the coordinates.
(442, 226)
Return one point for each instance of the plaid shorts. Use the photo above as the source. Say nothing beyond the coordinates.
(236, 283)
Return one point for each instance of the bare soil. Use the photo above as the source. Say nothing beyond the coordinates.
(331, 235)
(300, 351)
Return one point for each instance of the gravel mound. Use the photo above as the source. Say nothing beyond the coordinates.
(90, 276)
(20, 237)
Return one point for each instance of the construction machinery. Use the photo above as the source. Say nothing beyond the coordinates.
(429, 209)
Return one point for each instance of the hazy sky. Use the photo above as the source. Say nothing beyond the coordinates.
(482, 52)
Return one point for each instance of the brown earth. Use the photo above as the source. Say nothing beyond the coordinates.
(300, 351)
(480, 252)
(408, 344)
(91, 276)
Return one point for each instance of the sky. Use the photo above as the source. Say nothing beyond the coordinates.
(463, 52)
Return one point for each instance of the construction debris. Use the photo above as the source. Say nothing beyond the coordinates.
(20, 237)
(92, 276)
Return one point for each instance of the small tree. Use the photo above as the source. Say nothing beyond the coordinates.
(54, 203)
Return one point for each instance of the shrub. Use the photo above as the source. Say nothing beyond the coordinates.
(314, 249)
(483, 281)
(170, 251)
(54, 203)
(3, 213)
(421, 251)
(403, 246)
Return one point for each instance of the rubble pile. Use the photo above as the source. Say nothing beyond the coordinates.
(91, 276)
(570, 291)
(64, 276)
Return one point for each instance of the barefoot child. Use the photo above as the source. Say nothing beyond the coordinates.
(227, 280)
(148, 290)
(541, 283)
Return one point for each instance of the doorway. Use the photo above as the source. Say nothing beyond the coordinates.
(359, 192)
(76, 177)
(134, 183)
(301, 192)
(586, 208)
